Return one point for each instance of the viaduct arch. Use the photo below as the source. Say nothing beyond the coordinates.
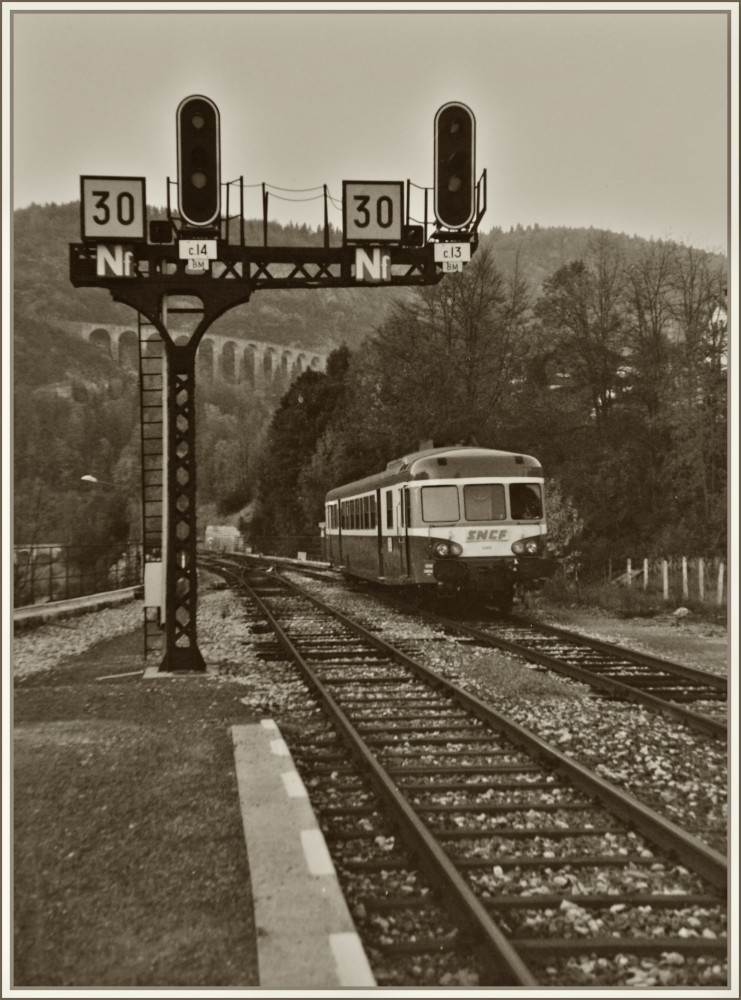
(235, 359)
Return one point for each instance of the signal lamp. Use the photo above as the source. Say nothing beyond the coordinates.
(160, 231)
(455, 166)
(414, 236)
(199, 161)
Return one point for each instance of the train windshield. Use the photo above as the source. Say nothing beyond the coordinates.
(440, 503)
(484, 502)
(525, 501)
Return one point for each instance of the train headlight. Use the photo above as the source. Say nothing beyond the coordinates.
(445, 549)
(526, 546)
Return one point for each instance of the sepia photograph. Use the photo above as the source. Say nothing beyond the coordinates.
(370, 477)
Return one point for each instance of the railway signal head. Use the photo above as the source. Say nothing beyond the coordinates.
(455, 166)
(199, 161)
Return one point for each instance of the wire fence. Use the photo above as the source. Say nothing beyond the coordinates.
(702, 579)
(44, 573)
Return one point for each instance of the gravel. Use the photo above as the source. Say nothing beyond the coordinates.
(45, 646)
(680, 773)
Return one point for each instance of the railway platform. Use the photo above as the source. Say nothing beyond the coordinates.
(164, 838)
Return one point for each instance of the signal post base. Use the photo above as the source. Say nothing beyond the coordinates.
(182, 661)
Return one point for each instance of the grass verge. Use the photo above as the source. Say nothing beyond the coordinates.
(129, 858)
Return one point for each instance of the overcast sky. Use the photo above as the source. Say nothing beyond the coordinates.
(614, 119)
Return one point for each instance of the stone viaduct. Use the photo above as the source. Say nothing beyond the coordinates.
(235, 359)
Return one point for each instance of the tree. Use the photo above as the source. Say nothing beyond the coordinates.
(649, 323)
(442, 365)
(297, 425)
(580, 312)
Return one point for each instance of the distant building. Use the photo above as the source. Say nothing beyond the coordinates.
(224, 538)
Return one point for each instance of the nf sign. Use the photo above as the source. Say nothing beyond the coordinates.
(114, 262)
(372, 265)
(372, 211)
(113, 209)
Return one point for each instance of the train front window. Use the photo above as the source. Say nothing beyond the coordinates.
(484, 502)
(440, 503)
(525, 501)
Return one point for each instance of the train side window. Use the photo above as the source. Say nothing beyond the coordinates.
(440, 503)
(373, 522)
(407, 507)
(389, 508)
(484, 502)
(366, 512)
(525, 501)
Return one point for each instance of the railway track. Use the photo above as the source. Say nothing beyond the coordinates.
(695, 697)
(531, 863)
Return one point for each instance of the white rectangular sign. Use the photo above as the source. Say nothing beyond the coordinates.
(197, 249)
(113, 209)
(452, 251)
(451, 265)
(372, 211)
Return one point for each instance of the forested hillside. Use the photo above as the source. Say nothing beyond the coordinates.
(612, 373)
(603, 355)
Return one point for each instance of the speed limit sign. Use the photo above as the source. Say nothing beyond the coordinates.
(372, 211)
(113, 208)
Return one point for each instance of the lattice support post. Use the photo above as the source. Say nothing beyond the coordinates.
(181, 644)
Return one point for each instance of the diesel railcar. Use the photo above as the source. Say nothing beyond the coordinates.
(457, 519)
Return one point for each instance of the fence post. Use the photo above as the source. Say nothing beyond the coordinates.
(701, 579)
(665, 578)
(645, 574)
(629, 572)
(721, 571)
(685, 584)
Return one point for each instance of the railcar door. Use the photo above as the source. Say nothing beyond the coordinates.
(401, 530)
(380, 515)
(391, 533)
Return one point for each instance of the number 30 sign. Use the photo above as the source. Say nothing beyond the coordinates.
(113, 208)
(372, 211)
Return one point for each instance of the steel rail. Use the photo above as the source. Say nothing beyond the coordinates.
(633, 655)
(704, 860)
(698, 721)
(496, 951)
(695, 854)
(703, 723)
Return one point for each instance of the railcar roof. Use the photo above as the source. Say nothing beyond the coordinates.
(445, 463)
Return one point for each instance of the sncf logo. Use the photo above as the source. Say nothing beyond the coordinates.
(487, 535)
